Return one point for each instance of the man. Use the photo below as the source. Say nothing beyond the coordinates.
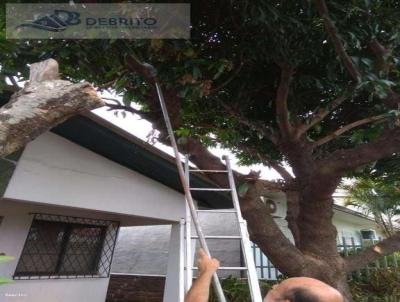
(299, 289)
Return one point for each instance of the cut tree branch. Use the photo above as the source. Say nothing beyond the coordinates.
(363, 258)
(282, 111)
(336, 40)
(44, 103)
(340, 131)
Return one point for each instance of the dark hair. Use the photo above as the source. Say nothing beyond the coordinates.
(300, 294)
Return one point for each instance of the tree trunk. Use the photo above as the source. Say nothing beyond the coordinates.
(315, 254)
(318, 234)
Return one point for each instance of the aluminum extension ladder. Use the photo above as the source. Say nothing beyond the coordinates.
(243, 235)
(192, 212)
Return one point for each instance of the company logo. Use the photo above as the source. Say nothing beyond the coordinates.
(56, 22)
(98, 21)
(61, 19)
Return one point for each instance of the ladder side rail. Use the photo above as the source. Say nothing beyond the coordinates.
(181, 281)
(188, 234)
(251, 268)
(246, 245)
(189, 199)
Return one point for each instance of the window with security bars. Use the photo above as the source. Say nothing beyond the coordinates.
(67, 247)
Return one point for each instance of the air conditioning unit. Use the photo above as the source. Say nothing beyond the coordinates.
(271, 204)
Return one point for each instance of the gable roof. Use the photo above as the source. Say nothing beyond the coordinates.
(104, 138)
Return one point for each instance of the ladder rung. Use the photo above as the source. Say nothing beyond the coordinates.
(228, 268)
(217, 237)
(216, 211)
(210, 189)
(209, 171)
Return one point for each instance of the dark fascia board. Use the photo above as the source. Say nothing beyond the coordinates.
(104, 138)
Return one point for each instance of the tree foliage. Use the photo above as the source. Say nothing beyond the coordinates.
(232, 63)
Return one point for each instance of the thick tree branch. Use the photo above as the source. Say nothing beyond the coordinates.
(292, 214)
(320, 115)
(282, 111)
(345, 160)
(42, 104)
(364, 257)
(268, 236)
(336, 40)
(340, 131)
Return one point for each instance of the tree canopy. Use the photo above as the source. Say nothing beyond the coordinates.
(233, 64)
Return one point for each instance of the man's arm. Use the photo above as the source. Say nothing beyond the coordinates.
(200, 290)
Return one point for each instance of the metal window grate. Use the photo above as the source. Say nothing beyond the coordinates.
(67, 247)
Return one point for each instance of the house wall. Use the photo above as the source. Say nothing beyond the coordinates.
(13, 232)
(55, 171)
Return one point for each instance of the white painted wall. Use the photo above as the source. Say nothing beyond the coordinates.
(13, 231)
(53, 170)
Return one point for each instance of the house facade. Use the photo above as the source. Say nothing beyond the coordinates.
(64, 199)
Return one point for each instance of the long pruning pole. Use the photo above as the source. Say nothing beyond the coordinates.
(185, 185)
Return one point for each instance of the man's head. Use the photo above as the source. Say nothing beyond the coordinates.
(303, 289)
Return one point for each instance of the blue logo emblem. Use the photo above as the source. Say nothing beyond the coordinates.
(56, 22)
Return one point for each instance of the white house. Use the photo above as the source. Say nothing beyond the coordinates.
(64, 198)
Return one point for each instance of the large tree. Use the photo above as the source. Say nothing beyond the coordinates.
(305, 84)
